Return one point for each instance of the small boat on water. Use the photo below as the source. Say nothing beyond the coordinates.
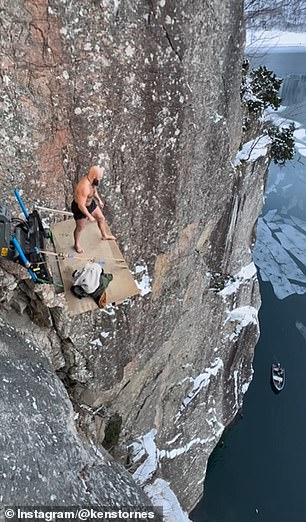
(278, 376)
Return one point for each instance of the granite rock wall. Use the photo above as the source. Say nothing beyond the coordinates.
(151, 90)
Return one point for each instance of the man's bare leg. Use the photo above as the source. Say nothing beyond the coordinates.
(97, 214)
(102, 227)
(80, 224)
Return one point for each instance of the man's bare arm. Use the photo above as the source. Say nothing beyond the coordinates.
(80, 199)
(97, 197)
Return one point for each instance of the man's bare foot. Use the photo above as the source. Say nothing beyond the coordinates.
(109, 237)
(78, 249)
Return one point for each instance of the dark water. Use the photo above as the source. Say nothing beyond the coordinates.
(258, 471)
(262, 464)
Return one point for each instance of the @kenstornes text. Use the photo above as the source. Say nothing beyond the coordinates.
(50, 514)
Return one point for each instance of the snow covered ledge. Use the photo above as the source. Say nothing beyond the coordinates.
(254, 149)
(159, 491)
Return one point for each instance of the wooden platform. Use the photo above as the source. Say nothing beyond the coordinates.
(121, 287)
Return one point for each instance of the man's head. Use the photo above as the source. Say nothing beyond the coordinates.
(95, 175)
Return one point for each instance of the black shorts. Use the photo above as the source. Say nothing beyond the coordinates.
(78, 214)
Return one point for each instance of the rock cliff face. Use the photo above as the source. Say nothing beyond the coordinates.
(44, 460)
(150, 89)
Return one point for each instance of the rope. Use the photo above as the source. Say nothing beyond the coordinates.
(62, 255)
(54, 210)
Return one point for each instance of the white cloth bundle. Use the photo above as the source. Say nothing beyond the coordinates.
(88, 277)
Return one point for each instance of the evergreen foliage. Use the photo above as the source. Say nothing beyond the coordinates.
(260, 88)
(282, 147)
(259, 91)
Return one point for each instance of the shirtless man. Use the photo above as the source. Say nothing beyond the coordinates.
(84, 206)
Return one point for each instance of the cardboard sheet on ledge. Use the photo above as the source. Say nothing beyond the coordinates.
(121, 287)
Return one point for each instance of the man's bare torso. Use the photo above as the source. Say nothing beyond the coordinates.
(84, 189)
